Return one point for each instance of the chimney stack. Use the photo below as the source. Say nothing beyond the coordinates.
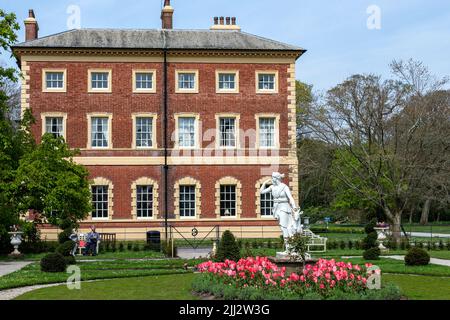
(167, 15)
(31, 26)
(225, 23)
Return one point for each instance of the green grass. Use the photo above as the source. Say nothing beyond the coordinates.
(428, 228)
(421, 287)
(32, 275)
(105, 255)
(171, 287)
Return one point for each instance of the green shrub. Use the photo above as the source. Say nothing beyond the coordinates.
(417, 257)
(372, 254)
(101, 247)
(228, 248)
(107, 247)
(370, 227)
(448, 245)
(70, 260)
(269, 244)
(392, 244)
(342, 244)
(419, 244)
(357, 245)
(239, 243)
(369, 241)
(136, 247)
(121, 247)
(53, 262)
(167, 249)
(255, 244)
(64, 235)
(297, 245)
(441, 245)
(350, 244)
(65, 248)
(129, 246)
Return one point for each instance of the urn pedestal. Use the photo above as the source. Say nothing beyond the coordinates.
(16, 240)
(381, 236)
(291, 264)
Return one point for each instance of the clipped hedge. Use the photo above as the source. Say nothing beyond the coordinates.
(53, 262)
(417, 257)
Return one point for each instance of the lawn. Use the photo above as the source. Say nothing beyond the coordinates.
(421, 287)
(170, 287)
(32, 275)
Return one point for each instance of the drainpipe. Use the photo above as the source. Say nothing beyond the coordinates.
(166, 153)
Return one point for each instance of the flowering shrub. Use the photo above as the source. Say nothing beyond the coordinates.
(324, 278)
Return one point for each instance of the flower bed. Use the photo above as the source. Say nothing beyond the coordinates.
(258, 278)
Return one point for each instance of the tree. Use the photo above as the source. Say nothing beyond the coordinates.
(49, 182)
(228, 248)
(382, 130)
(14, 142)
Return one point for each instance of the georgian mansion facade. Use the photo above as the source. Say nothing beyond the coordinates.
(182, 125)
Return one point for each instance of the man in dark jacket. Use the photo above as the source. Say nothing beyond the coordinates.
(92, 239)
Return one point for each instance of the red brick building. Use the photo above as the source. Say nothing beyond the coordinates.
(176, 124)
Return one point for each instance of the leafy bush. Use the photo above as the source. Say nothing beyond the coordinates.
(129, 246)
(167, 249)
(419, 244)
(297, 245)
(228, 248)
(357, 245)
(65, 248)
(53, 262)
(441, 245)
(350, 244)
(64, 235)
(121, 247)
(70, 260)
(269, 244)
(417, 257)
(372, 254)
(342, 245)
(448, 245)
(369, 241)
(136, 247)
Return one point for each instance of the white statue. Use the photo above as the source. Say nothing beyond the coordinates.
(284, 208)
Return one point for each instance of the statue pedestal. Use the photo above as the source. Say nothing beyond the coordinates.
(292, 264)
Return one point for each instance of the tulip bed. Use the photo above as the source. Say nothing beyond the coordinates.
(258, 279)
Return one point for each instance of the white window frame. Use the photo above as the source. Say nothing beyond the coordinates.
(100, 90)
(140, 90)
(196, 82)
(276, 118)
(196, 116)
(44, 80)
(109, 116)
(62, 115)
(267, 91)
(100, 181)
(229, 181)
(188, 181)
(144, 181)
(154, 118)
(236, 79)
(237, 129)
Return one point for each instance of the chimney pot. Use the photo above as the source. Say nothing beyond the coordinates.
(31, 26)
(233, 21)
(228, 20)
(216, 20)
(167, 15)
(222, 20)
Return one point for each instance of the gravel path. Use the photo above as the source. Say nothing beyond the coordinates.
(14, 293)
(9, 267)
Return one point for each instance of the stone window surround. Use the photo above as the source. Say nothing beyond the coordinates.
(144, 181)
(196, 84)
(62, 115)
(102, 90)
(225, 91)
(179, 115)
(100, 181)
(151, 90)
(154, 117)
(258, 198)
(44, 80)
(237, 116)
(89, 120)
(229, 181)
(275, 116)
(188, 181)
(262, 91)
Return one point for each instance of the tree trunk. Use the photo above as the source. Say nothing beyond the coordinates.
(396, 227)
(425, 212)
(438, 216)
(411, 213)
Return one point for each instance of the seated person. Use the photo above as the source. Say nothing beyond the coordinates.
(92, 238)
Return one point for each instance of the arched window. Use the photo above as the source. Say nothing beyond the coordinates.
(228, 198)
(264, 202)
(102, 199)
(187, 198)
(144, 199)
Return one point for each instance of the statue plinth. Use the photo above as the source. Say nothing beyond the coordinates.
(292, 264)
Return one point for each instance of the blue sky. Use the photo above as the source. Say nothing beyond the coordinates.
(334, 31)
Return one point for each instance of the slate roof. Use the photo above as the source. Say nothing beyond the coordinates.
(158, 39)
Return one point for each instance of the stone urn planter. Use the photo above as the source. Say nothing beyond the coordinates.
(16, 240)
(382, 233)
